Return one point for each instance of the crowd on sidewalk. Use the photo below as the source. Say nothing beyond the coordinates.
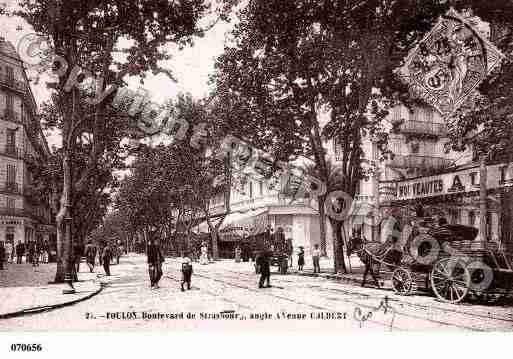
(33, 252)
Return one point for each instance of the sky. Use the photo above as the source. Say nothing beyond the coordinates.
(191, 66)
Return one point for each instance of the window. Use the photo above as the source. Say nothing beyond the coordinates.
(250, 189)
(503, 174)
(489, 226)
(472, 218)
(11, 140)
(261, 184)
(10, 73)
(337, 149)
(473, 176)
(11, 174)
(415, 147)
(455, 216)
(9, 103)
(10, 202)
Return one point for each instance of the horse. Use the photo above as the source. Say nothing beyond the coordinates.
(361, 247)
(373, 254)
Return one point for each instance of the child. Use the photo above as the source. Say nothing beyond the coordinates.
(186, 272)
(316, 253)
(301, 258)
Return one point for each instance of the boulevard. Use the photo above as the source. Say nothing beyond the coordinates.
(224, 295)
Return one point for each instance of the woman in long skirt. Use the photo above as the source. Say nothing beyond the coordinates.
(204, 254)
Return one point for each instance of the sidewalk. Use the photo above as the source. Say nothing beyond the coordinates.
(24, 290)
(355, 276)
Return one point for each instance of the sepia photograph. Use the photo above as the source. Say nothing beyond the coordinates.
(255, 166)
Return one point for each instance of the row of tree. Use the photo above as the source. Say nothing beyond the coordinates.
(294, 74)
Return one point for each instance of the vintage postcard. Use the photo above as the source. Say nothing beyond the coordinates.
(255, 166)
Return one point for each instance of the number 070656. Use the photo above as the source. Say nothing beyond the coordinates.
(26, 347)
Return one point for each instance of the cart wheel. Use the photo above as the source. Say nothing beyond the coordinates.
(402, 281)
(450, 280)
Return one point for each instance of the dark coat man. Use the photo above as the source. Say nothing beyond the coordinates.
(106, 258)
(31, 252)
(77, 256)
(155, 260)
(20, 251)
(264, 265)
(2, 255)
(90, 254)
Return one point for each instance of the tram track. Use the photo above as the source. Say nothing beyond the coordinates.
(355, 303)
(406, 303)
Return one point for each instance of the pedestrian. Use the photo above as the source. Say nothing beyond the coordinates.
(119, 252)
(100, 253)
(186, 272)
(20, 249)
(316, 254)
(46, 252)
(264, 268)
(290, 250)
(2, 255)
(300, 259)
(204, 254)
(37, 254)
(238, 253)
(90, 254)
(8, 252)
(77, 256)
(31, 253)
(155, 260)
(106, 258)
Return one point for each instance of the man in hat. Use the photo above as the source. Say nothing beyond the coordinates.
(264, 266)
(155, 260)
(90, 254)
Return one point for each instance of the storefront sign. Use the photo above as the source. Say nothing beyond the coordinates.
(430, 187)
(465, 180)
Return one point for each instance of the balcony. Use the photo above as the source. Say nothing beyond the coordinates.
(28, 212)
(12, 151)
(417, 161)
(10, 115)
(13, 84)
(423, 129)
(10, 187)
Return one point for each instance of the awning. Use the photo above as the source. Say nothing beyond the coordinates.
(249, 221)
(243, 220)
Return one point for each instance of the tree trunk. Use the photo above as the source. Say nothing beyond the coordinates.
(483, 208)
(64, 237)
(215, 247)
(322, 224)
(338, 250)
(59, 275)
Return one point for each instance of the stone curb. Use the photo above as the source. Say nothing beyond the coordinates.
(36, 310)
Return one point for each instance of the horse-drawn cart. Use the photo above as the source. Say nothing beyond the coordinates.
(447, 260)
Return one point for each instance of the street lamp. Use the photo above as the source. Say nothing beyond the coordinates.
(68, 277)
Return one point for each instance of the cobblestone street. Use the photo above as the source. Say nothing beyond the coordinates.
(225, 296)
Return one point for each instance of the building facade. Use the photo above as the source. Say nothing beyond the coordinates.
(24, 216)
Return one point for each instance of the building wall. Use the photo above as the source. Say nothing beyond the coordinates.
(21, 222)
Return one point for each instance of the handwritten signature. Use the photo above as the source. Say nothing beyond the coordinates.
(362, 316)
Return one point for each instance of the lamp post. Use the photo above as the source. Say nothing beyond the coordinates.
(68, 276)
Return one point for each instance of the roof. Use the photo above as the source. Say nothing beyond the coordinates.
(8, 49)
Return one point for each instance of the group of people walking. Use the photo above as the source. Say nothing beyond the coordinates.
(156, 259)
(35, 252)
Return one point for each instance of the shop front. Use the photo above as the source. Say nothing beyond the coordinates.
(454, 196)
